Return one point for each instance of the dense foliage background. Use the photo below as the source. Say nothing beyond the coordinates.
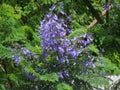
(47, 45)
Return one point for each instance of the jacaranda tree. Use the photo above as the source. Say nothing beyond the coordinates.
(58, 54)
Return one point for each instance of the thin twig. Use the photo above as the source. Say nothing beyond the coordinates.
(102, 14)
(2, 68)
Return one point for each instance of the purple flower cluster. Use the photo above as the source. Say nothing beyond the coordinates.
(21, 55)
(54, 41)
(53, 32)
(30, 76)
(63, 74)
(85, 40)
(16, 58)
(27, 53)
(90, 63)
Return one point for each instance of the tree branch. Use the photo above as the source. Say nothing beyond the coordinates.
(102, 14)
(93, 11)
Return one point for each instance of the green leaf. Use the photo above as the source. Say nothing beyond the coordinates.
(67, 1)
(53, 77)
(2, 87)
(63, 86)
(117, 40)
(93, 48)
(13, 78)
(93, 79)
(5, 52)
(78, 32)
(110, 67)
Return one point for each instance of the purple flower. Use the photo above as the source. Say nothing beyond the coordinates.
(53, 42)
(78, 52)
(62, 21)
(85, 39)
(71, 51)
(27, 53)
(13, 49)
(31, 76)
(74, 63)
(62, 12)
(69, 18)
(102, 64)
(55, 47)
(65, 43)
(44, 54)
(55, 17)
(66, 59)
(61, 50)
(63, 34)
(66, 74)
(57, 58)
(74, 39)
(53, 7)
(62, 60)
(16, 59)
(61, 75)
(90, 63)
(106, 6)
